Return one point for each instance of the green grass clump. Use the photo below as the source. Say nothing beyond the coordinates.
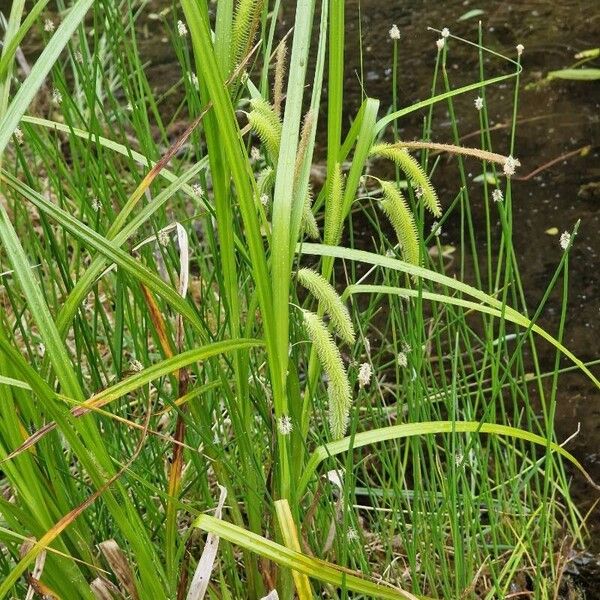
(388, 434)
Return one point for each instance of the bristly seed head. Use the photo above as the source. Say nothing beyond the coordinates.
(181, 29)
(394, 32)
(497, 195)
(364, 375)
(285, 425)
(445, 33)
(478, 103)
(440, 43)
(565, 240)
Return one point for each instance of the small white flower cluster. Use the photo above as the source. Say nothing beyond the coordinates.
(49, 25)
(364, 375)
(18, 136)
(440, 44)
(197, 189)
(56, 96)
(194, 80)
(285, 425)
(264, 200)
(565, 240)
(436, 229)
(78, 57)
(254, 153)
(479, 103)
(497, 195)
(164, 238)
(402, 360)
(445, 33)
(136, 366)
(419, 192)
(181, 29)
(394, 32)
(510, 165)
(352, 535)
(520, 49)
(96, 204)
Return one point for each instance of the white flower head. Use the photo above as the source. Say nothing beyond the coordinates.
(352, 534)
(394, 32)
(364, 375)
(402, 360)
(18, 135)
(284, 425)
(78, 57)
(478, 103)
(520, 49)
(440, 43)
(436, 229)
(181, 29)
(406, 347)
(49, 25)
(164, 238)
(96, 204)
(129, 107)
(194, 80)
(197, 189)
(136, 366)
(56, 96)
(264, 200)
(255, 153)
(445, 33)
(497, 195)
(565, 240)
(419, 191)
(510, 165)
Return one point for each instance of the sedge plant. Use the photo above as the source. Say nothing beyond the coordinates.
(212, 385)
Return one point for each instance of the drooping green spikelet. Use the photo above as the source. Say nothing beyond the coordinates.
(267, 125)
(279, 77)
(329, 299)
(413, 171)
(340, 395)
(333, 208)
(395, 208)
(245, 24)
(309, 223)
